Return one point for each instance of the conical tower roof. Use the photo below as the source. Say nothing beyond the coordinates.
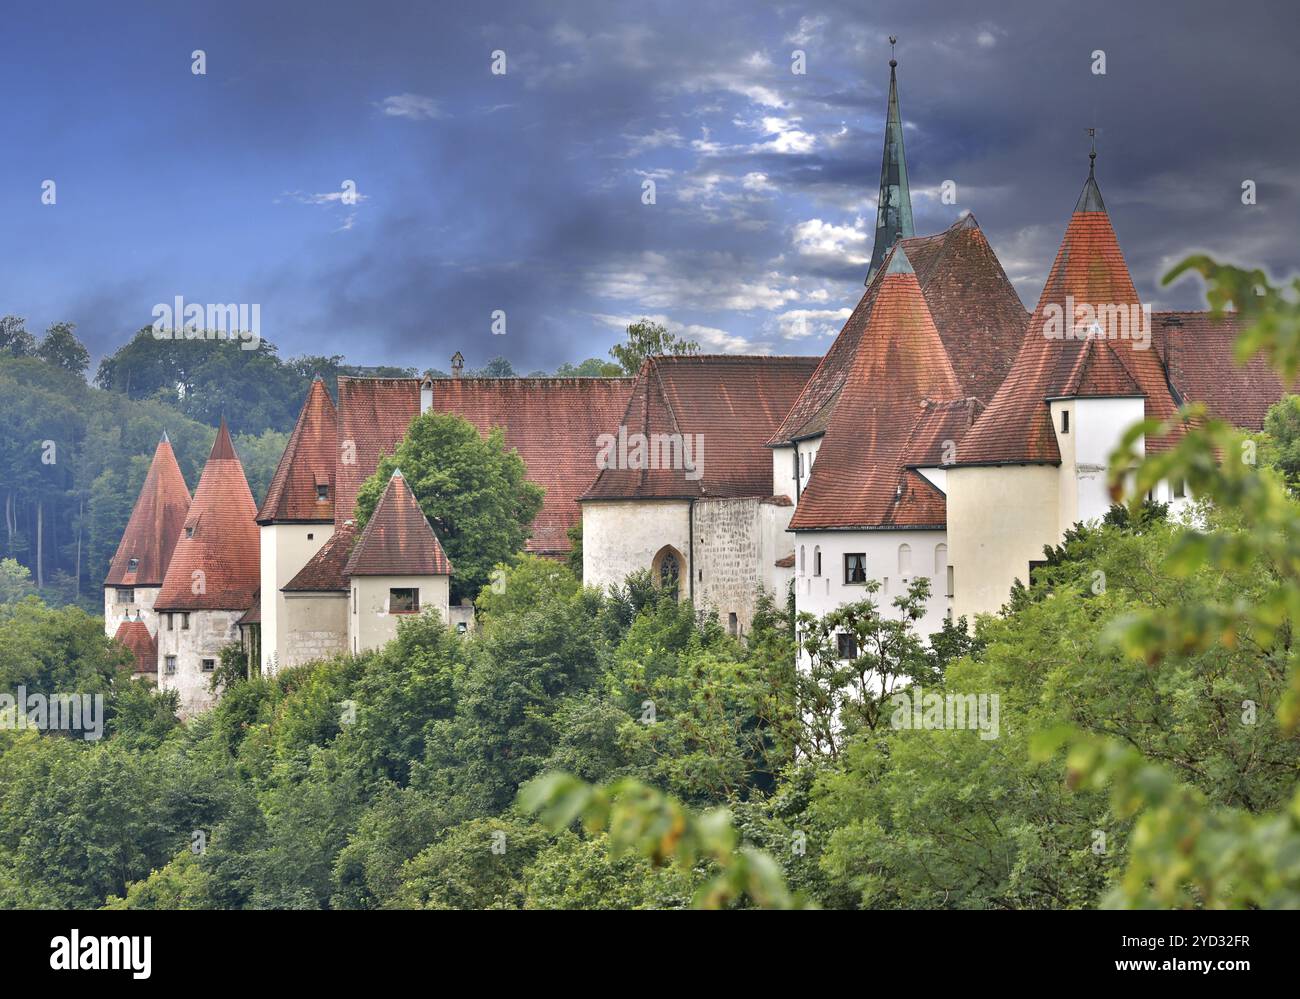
(215, 563)
(155, 524)
(308, 462)
(860, 478)
(398, 540)
(1085, 339)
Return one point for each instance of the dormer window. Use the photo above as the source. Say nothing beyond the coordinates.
(189, 531)
(132, 564)
(322, 493)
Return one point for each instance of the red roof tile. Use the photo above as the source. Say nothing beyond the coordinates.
(1198, 353)
(730, 404)
(979, 317)
(135, 636)
(254, 613)
(309, 460)
(553, 423)
(323, 572)
(859, 478)
(155, 524)
(938, 424)
(1052, 363)
(397, 540)
(219, 542)
(373, 415)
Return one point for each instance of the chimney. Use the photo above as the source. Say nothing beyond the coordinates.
(457, 364)
(426, 393)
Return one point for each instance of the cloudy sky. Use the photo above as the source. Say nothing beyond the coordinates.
(523, 191)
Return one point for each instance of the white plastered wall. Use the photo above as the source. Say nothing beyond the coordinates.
(285, 549)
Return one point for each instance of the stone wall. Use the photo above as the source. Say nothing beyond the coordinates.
(209, 632)
(315, 627)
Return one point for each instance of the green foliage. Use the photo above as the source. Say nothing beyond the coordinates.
(473, 490)
(648, 339)
(642, 821)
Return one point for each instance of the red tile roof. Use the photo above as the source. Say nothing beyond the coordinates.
(553, 423)
(1052, 363)
(730, 404)
(155, 524)
(859, 478)
(309, 459)
(938, 424)
(1198, 353)
(323, 572)
(373, 415)
(397, 540)
(978, 314)
(254, 613)
(217, 552)
(135, 636)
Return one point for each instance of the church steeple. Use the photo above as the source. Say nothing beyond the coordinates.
(894, 207)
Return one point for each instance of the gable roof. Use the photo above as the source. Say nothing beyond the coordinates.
(728, 404)
(1059, 359)
(1197, 350)
(860, 478)
(134, 634)
(976, 310)
(219, 541)
(155, 523)
(397, 540)
(324, 571)
(309, 460)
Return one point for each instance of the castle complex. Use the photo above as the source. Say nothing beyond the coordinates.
(946, 434)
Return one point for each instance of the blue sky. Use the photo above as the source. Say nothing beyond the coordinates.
(523, 192)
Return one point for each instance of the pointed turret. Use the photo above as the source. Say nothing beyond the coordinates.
(302, 489)
(860, 478)
(894, 204)
(1088, 337)
(215, 562)
(146, 547)
(398, 540)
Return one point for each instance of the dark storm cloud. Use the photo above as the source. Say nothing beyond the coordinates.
(523, 192)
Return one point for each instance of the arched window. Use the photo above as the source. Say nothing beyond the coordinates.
(803, 561)
(940, 560)
(905, 560)
(817, 560)
(666, 569)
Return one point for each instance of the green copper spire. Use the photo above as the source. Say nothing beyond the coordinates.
(894, 208)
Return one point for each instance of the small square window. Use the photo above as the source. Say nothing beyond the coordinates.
(322, 493)
(847, 646)
(311, 537)
(855, 568)
(404, 600)
(126, 596)
(170, 666)
(209, 665)
(132, 564)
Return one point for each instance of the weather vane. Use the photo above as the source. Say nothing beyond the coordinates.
(893, 40)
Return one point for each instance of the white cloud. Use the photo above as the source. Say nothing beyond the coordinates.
(657, 139)
(757, 182)
(689, 280)
(414, 106)
(800, 324)
(841, 243)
